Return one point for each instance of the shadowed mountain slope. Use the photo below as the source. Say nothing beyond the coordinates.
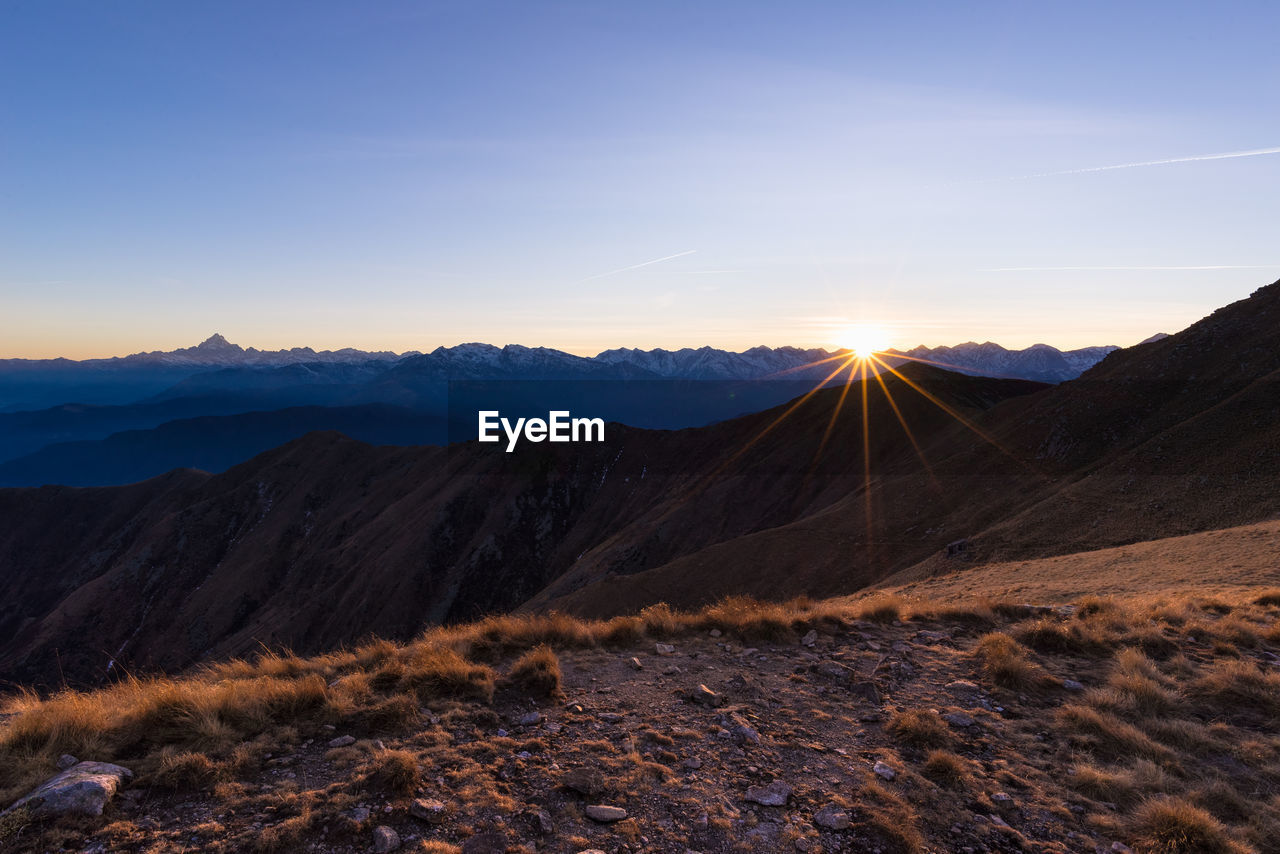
(1166, 438)
(324, 540)
(213, 443)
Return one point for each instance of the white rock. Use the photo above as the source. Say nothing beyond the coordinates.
(385, 839)
(773, 795)
(428, 809)
(832, 817)
(605, 813)
(883, 771)
(82, 789)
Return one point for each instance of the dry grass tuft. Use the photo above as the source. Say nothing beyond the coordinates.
(620, 631)
(435, 846)
(503, 633)
(1171, 825)
(661, 621)
(1136, 688)
(1004, 662)
(1268, 599)
(1108, 736)
(1122, 786)
(1224, 801)
(889, 820)
(750, 620)
(285, 836)
(394, 770)
(537, 672)
(397, 712)
(1237, 690)
(881, 608)
(1100, 784)
(434, 672)
(189, 714)
(979, 614)
(1051, 635)
(946, 769)
(186, 770)
(919, 728)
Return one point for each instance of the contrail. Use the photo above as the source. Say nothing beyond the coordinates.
(637, 266)
(1256, 152)
(1053, 269)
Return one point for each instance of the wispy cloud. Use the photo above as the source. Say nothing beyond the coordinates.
(1229, 155)
(636, 266)
(1140, 267)
(698, 272)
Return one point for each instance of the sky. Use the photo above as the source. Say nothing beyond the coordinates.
(401, 176)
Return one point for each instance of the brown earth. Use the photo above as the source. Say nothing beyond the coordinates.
(1167, 745)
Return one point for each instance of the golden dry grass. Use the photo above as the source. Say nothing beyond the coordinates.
(1175, 826)
(1173, 680)
(1005, 662)
(946, 769)
(919, 728)
(537, 672)
(1239, 689)
(395, 771)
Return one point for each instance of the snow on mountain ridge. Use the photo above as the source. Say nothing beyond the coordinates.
(479, 360)
(217, 351)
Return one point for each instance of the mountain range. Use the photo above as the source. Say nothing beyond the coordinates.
(217, 395)
(26, 384)
(325, 539)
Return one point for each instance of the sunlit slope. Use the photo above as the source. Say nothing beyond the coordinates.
(1220, 562)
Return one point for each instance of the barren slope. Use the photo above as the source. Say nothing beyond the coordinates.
(1208, 564)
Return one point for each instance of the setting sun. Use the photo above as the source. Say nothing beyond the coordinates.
(863, 340)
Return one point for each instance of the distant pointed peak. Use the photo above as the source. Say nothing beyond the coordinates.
(217, 342)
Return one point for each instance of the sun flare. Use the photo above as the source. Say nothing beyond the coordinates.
(864, 340)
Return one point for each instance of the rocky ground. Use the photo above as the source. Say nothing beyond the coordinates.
(892, 734)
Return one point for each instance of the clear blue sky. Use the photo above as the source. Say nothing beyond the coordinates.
(404, 175)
